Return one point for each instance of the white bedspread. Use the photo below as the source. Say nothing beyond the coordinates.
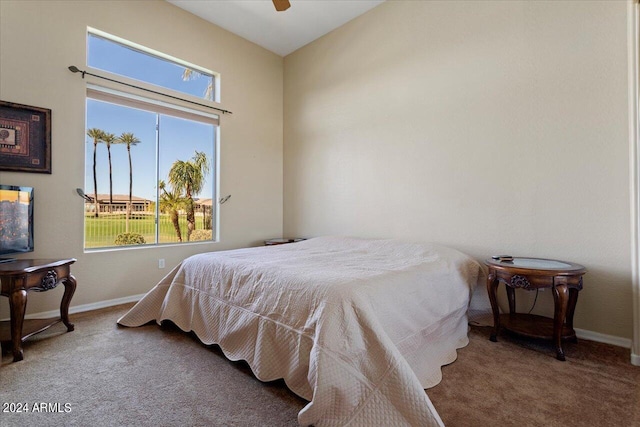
(357, 327)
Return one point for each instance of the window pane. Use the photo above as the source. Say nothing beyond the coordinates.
(186, 174)
(107, 219)
(126, 61)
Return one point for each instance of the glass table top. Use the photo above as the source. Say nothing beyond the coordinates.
(535, 263)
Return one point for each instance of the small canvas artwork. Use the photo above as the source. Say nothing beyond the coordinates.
(15, 219)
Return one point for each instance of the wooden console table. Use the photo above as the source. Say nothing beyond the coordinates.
(564, 278)
(40, 275)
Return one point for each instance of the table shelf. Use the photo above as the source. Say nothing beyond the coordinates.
(533, 326)
(29, 327)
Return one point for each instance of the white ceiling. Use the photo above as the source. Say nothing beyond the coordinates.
(280, 32)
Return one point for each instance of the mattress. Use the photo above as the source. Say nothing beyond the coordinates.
(357, 327)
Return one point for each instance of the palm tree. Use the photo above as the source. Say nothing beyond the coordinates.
(189, 74)
(98, 136)
(189, 177)
(129, 139)
(171, 202)
(108, 139)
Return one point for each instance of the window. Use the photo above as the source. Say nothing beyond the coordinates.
(150, 165)
(142, 64)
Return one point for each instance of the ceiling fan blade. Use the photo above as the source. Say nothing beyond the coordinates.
(281, 5)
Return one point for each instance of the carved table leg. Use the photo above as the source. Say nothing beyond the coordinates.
(69, 290)
(492, 287)
(560, 299)
(511, 297)
(17, 307)
(571, 308)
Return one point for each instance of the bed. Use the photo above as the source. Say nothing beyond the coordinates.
(357, 327)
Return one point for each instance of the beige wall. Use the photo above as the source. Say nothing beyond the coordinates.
(40, 39)
(492, 127)
(487, 126)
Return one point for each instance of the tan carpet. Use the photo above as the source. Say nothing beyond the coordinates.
(148, 376)
(519, 382)
(152, 376)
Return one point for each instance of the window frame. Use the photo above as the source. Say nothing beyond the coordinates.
(152, 52)
(131, 97)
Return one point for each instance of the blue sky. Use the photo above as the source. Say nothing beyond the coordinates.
(178, 138)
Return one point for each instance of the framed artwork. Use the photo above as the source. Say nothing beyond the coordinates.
(25, 138)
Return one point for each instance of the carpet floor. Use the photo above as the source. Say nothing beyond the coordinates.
(105, 375)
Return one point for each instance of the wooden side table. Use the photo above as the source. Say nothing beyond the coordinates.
(273, 242)
(564, 278)
(40, 275)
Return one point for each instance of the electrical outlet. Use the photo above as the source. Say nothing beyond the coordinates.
(161, 263)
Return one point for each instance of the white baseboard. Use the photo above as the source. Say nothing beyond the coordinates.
(604, 338)
(609, 339)
(86, 307)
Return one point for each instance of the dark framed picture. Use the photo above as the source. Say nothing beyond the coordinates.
(25, 138)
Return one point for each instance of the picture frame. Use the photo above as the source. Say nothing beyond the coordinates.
(25, 138)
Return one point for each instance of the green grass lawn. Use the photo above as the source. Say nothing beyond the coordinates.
(102, 231)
